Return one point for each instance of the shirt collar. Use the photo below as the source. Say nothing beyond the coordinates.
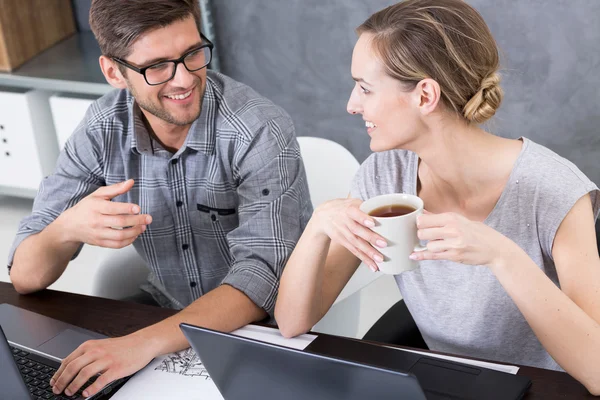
(141, 142)
(200, 137)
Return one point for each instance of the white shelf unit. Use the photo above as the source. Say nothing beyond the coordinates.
(67, 70)
(28, 144)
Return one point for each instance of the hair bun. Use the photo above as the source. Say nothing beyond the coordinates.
(483, 105)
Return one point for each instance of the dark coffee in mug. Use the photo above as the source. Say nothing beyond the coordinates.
(392, 210)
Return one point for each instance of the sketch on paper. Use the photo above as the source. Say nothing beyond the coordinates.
(185, 363)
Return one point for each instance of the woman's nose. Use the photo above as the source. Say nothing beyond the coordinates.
(353, 106)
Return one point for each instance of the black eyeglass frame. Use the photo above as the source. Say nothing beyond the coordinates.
(180, 60)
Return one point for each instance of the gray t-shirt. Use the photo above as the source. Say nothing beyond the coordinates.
(463, 309)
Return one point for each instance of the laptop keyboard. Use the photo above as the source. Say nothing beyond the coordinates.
(37, 374)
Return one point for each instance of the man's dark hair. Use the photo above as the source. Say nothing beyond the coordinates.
(118, 23)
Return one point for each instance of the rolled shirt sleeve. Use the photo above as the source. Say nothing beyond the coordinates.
(274, 208)
(78, 173)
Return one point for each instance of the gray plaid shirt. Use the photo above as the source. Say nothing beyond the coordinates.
(227, 208)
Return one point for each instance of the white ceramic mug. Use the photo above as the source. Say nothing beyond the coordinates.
(400, 232)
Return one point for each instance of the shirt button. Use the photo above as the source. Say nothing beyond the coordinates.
(192, 284)
(175, 161)
(265, 192)
(179, 203)
(213, 217)
(185, 246)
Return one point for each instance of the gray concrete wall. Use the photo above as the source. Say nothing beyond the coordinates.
(298, 52)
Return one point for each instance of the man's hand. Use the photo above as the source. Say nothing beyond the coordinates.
(100, 222)
(112, 358)
(224, 309)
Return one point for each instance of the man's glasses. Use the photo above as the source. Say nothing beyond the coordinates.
(164, 71)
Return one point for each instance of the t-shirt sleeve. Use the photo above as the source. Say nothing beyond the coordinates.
(556, 195)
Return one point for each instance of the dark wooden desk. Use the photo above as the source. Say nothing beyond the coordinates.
(117, 318)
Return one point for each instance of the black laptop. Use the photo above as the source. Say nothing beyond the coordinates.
(244, 368)
(31, 349)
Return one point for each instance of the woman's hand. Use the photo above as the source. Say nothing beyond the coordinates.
(343, 222)
(455, 238)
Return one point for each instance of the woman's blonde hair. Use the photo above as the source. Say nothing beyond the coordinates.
(445, 40)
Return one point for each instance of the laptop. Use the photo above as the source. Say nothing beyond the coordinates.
(31, 349)
(243, 368)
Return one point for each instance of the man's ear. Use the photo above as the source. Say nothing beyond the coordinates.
(111, 72)
(427, 95)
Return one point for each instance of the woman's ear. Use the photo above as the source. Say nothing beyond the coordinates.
(112, 73)
(427, 95)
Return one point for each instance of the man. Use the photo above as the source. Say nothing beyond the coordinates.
(205, 178)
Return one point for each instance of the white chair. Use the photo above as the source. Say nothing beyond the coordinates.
(102, 272)
(120, 274)
(330, 168)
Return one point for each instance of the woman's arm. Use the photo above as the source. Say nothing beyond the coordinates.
(314, 276)
(327, 254)
(567, 321)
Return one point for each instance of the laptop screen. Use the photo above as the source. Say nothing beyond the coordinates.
(246, 369)
(11, 383)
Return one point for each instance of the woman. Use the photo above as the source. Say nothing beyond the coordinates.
(511, 272)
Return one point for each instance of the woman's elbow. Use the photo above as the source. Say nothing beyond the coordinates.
(291, 330)
(290, 326)
(590, 379)
(593, 387)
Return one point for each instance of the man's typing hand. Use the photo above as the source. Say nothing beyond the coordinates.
(98, 221)
(112, 358)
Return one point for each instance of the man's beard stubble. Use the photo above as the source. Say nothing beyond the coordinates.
(160, 112)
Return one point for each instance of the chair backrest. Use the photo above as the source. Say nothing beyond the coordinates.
(330, 168)
(119, 274)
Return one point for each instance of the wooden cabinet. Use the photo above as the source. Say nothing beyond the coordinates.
(28, 27)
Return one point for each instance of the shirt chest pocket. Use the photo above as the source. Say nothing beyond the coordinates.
(212, 222)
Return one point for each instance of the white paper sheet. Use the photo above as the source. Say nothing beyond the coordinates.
(510, 369)
(175, 376)
(272, 335)
(183, 376)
